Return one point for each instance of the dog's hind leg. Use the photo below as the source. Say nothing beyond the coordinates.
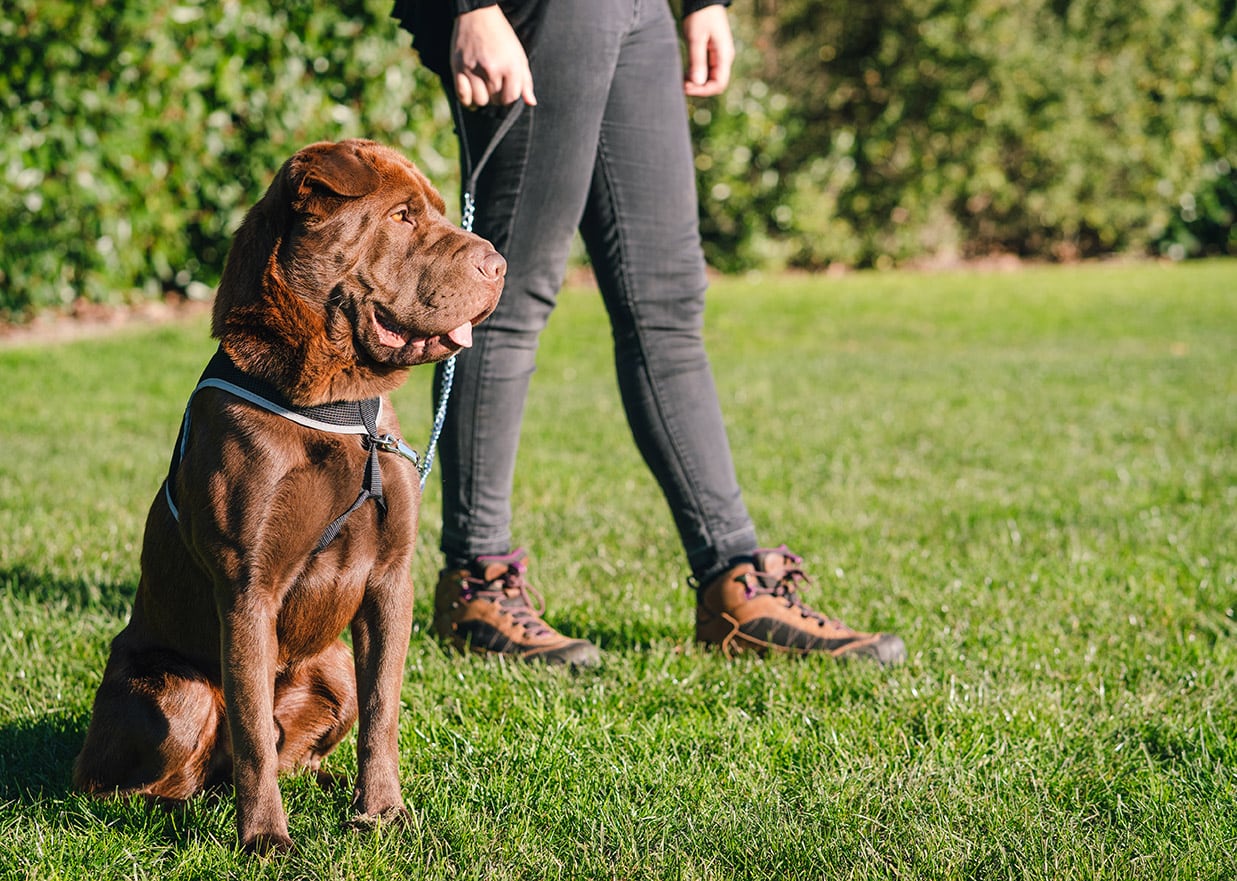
(158, 732)
(315, 706)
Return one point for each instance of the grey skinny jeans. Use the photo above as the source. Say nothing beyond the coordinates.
(605, 150)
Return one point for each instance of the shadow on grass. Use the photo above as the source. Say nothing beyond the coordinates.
(37, 752)
(36, 772)
(36, 768)
(110, 597)
(36, 756)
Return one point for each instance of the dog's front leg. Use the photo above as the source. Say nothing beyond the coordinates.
(250, 654)
(380, 634)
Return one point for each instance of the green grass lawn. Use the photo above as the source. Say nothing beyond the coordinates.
(1031, 477)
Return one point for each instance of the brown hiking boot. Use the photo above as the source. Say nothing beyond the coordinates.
(758, 608)
(487, 609)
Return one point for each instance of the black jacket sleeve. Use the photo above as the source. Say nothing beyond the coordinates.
(690, 6)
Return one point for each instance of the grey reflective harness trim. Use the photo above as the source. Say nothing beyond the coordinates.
(347, 417)
(303, 416)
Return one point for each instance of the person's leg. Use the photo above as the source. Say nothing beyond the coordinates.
(641, 230)
(530, 197)
(640, 226)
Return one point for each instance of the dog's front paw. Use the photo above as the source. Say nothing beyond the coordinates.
(396, 815)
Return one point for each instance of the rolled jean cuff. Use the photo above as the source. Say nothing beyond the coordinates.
(709, 562)
(460, 546)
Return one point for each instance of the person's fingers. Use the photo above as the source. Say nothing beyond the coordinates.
(509, 90)
(516, 85)
(463, 89)
(719, 75)
(724, 61)
(480, 92)
(474, 90)
(525, 92)
(471, 90)
(698, 62)
(708, 89)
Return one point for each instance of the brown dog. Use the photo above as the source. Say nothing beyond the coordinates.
(259, 551)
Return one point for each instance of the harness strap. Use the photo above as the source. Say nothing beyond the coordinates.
(371, 484)
(345, 417)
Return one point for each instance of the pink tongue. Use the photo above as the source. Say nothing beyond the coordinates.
(462, 335)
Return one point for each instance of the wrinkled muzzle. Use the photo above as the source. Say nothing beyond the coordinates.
(438, 296)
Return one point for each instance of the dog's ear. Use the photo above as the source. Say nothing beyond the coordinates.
(322, 174)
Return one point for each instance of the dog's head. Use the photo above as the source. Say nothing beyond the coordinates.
(346, 273)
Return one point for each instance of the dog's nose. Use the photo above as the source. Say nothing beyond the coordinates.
(493, 266)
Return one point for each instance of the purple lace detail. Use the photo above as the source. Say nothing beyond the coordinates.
(785, 583)
(518, 598)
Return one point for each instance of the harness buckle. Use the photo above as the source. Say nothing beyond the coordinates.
(392, 444)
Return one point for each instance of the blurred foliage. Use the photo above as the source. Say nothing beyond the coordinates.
(858, 133)
(884, 131)
(139, 132)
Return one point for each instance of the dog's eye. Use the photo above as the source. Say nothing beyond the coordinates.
(402, 215)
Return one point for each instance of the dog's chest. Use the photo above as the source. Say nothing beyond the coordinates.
(370, 558)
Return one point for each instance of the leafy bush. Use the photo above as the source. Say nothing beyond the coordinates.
(890, 130)
(142, 131)
(857, 132)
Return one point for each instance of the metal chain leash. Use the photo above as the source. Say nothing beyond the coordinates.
(470, 211)
(447, 377)
(440, 416)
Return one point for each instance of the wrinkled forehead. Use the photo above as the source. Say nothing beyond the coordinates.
(402, 177)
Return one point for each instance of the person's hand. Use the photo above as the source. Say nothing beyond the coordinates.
(488, 62)
(710, 51)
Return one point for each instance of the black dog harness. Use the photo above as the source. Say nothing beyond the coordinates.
(346, 417)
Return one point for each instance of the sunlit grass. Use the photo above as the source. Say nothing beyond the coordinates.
(1030, 476)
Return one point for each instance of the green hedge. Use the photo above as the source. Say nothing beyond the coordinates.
(143, 130)
(859, 132)
(885, 131)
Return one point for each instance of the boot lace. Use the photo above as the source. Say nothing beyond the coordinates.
(785, 585)
(519, 599)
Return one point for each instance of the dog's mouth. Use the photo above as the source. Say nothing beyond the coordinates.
(391, 334)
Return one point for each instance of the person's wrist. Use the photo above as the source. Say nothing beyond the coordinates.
(690, 6)
(465, 6)
(490, 14)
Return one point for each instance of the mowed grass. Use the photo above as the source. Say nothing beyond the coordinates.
(1030, 476)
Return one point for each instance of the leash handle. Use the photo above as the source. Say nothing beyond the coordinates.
(473, 170)
(468, 213)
